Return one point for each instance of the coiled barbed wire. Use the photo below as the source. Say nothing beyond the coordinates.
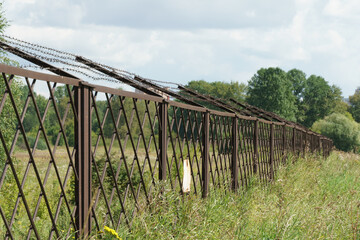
(70, 56)
(68, 62)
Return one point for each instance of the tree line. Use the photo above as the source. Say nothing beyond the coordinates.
(310, 101)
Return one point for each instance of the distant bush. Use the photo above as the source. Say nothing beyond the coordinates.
(342, 129)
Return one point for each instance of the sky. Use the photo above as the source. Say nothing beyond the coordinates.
(212, 40)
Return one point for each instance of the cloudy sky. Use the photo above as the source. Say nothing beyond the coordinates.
(214, 40)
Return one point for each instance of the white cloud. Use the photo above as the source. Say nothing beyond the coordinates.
(220, 40)
(344, 8)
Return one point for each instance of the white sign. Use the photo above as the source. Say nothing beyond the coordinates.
(187, 176)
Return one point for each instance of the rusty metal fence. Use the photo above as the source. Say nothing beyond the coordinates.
(110, 148)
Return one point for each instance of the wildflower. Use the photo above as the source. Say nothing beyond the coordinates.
(112, 232)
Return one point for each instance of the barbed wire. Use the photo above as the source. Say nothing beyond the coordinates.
(60, 57)
(68, 62)
(69, 56)
(36, 45)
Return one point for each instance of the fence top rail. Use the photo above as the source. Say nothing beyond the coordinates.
(123, 93)
(187, 106)
(223, 114)
(7, 69)
(37, 75)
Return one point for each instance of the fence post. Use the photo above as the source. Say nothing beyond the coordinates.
(271, 160)
(301, 143)
(306, 143)
(294, 141)
(206, 149)
(312, 142)
(163, 139)
(256, 164)
(83, 161)
(235, 142)
(284, 142)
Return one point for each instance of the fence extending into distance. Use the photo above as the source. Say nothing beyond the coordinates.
(111, 149)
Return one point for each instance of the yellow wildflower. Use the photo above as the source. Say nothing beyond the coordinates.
(113, 232)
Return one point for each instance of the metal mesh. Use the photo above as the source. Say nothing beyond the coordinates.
(79, 156)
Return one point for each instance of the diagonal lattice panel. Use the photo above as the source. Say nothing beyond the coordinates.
(184, 149)
(264, 149)
(221, 154)
(125, 156)
(37, 166)
(278, 145)
(247, 164)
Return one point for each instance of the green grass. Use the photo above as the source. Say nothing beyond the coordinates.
(313, 198)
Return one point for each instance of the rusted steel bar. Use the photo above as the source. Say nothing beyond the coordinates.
(123, 93)
(294, 141)
(205, 160)
(301, 143)
(256, 147)
(116, 76)
(271, 122)
(164, 90)
(223, 114)
(206, 99)
(163, 139)
(235, 147)
(247, 117)
(247, 107)
(222, 102)
(39, 76)
(305, 143)
(8, 231)
(35, 60)
(187, 106)
(10, 159)
(83, 161)
(271, 159)
(284, 143)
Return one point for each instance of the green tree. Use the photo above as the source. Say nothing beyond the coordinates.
(355, 105)
(7, 115)
(344, 131)
(272, 90)
(222, 90)
(320, 99)
(298, 80)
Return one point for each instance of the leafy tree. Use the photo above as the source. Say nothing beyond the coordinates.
(272, 90)
(222, 90)
(355, 105)
(7, 116)
(344, 131)
(298, 80)
(320, 99)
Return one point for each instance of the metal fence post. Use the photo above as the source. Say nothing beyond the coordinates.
(271, 159)
(306, 143)
(235, 143)
(301, 143)
(284, 142)
(205, 159)
(163, 139)
(294, 141)
(312, 143)
(256, 146)
(83, 161)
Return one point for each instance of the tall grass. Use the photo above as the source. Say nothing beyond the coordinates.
(313, 198)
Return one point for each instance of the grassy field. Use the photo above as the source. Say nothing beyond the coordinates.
(313, 198)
